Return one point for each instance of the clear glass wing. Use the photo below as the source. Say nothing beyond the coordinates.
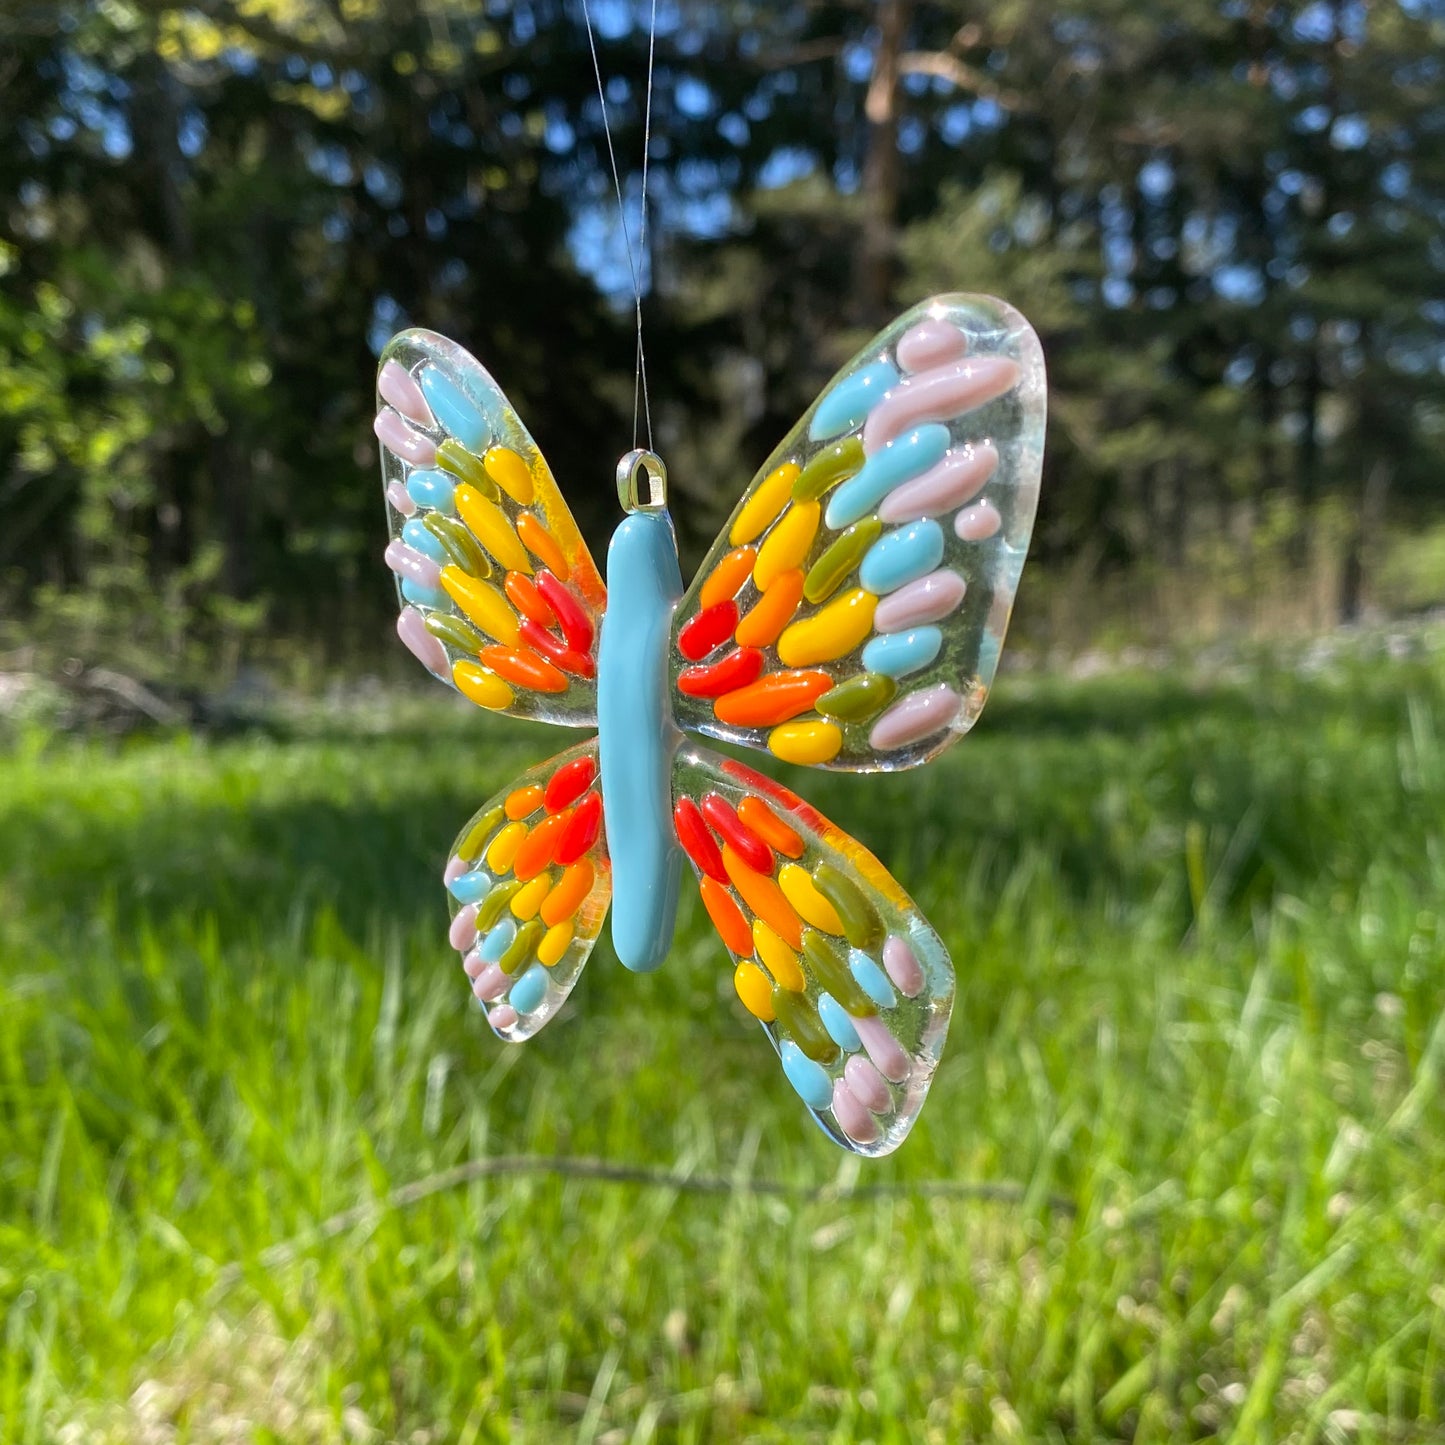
(499, 595)
(850, 616)
(832, 957)
(529, 884)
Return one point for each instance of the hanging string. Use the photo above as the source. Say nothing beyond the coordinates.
(639, 379)
(641, 369)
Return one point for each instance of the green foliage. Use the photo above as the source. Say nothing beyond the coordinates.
(1414, 572)
(1224, 223)
(1201, 964)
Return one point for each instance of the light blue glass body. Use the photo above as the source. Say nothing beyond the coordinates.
(636, 735)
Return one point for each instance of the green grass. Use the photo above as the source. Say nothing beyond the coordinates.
(1201, 976)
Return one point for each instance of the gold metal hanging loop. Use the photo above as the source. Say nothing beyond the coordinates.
(637, 464)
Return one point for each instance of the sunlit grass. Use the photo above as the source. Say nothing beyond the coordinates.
(1202, 969)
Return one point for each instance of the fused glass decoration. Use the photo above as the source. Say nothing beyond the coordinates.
(850, 616)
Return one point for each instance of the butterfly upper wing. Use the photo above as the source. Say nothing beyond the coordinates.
(851, 613)
(831, 956)
(499, 595)
(530, 882)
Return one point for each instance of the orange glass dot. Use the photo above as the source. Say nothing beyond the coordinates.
(765, 898)
(525, 668)
(726, 917)
(525, 801)
(727, 578)
(772, 700)
(542, 545)
(770, 828)
(772, 612)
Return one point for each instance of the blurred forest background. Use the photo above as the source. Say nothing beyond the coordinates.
(264, 1175)
(1223, 216)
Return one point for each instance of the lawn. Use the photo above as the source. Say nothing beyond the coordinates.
(1181, 1175)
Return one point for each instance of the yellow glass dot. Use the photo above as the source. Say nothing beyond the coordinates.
(510, 473)
(809, 744)
(754, 990)
(529, 899)
(484, 688)
(557, 941)
(781, 961)
(483, 603)
(829, 633)
(787, 544)
(491, 528)
(769, 498)
(503, 849)
(799, 889)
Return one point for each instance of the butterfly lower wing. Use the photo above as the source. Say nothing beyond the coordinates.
(831, 956)
(499, 595)
(851, 613)
(530, 883)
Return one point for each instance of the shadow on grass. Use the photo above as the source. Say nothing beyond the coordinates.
(1131, 793)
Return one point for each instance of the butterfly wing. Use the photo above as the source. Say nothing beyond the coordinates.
(830, 955)
(499, 595)
(530, 882)
(851, 613)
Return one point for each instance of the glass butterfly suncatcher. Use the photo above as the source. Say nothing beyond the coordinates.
(849, 617)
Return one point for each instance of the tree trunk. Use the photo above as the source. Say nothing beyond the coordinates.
(155, 124)
(1368, 521)
(231, 475)
(878, 242)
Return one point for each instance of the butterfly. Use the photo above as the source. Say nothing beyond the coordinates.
(849, 616)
